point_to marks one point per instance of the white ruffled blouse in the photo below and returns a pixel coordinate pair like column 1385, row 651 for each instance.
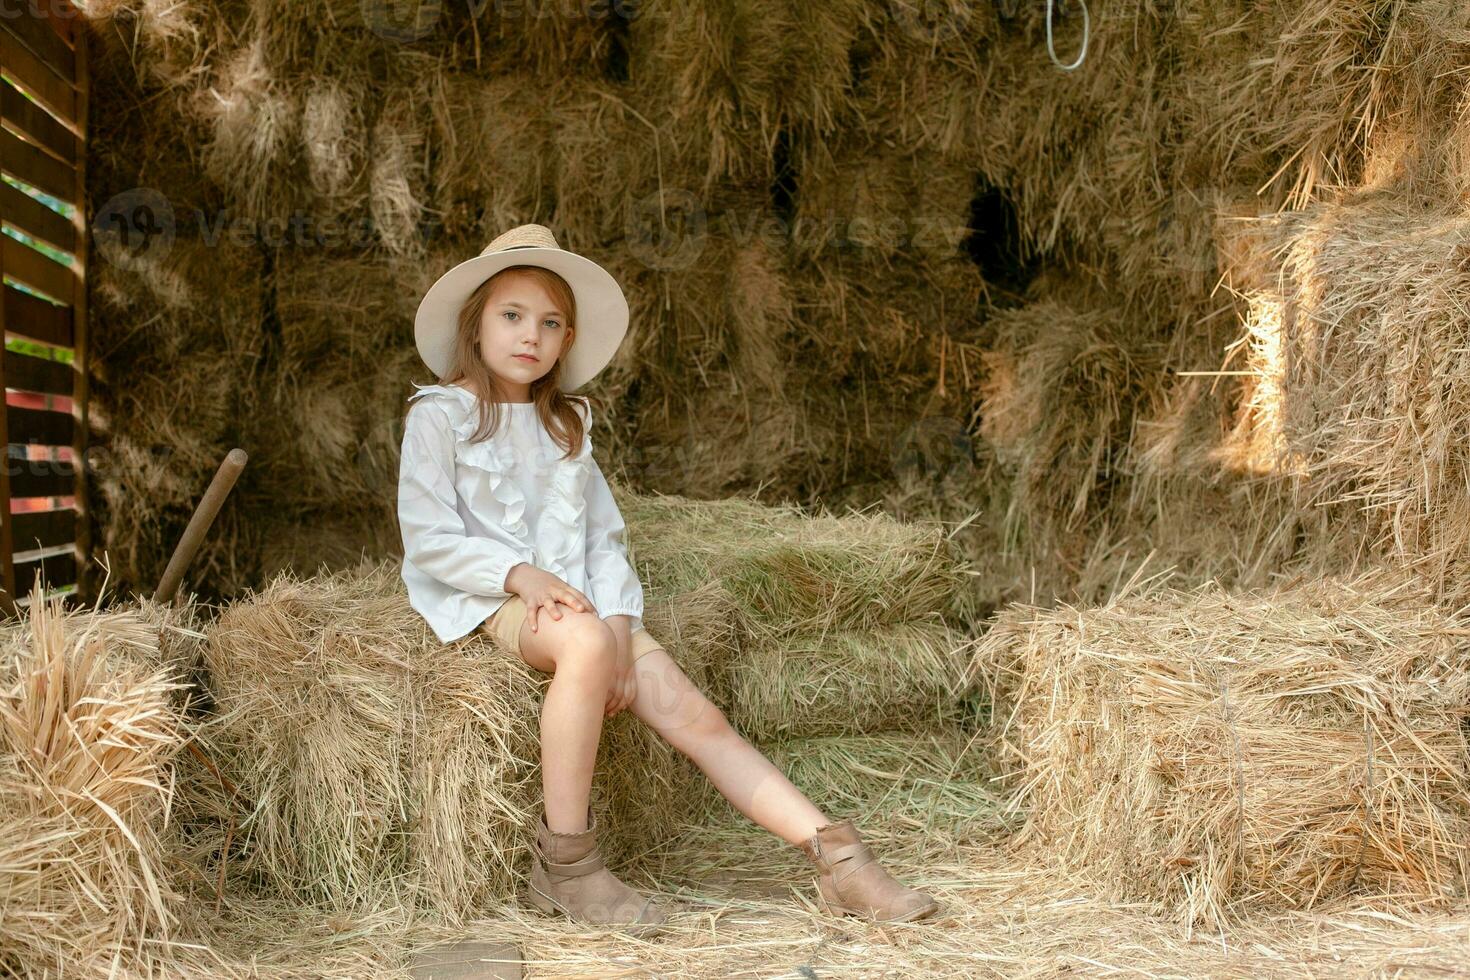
column 469, row 511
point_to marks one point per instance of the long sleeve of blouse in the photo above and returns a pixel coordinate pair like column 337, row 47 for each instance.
column 433, row 532
column 615, row 588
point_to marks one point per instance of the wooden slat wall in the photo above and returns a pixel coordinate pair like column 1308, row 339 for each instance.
column 43, row 113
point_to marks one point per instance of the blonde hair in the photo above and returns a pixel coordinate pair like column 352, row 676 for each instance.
column 554, row 407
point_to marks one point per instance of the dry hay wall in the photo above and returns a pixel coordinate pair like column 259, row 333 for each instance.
column 828, row 219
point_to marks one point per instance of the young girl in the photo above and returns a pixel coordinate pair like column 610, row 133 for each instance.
column 512, row 530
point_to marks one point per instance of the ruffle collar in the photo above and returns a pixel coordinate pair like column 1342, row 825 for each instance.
column 561, row 527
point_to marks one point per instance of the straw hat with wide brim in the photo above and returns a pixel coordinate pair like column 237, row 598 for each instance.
column 602, row 309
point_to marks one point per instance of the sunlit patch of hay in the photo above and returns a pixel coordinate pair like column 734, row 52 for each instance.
column 1359, row 341
column 1259, row 444
column 255, row 120
column 395, row 192
column 333, row 135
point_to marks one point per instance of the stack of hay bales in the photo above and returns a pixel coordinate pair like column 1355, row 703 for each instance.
column 377, row 764
column 91, row 717
column 848, row 638
column 787, row 192
column 1106, row 464
column 1327, row 414
column 1210, row 752
column 1149, row 247
column 843, row 624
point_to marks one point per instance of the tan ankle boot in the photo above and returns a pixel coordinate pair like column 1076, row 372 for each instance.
column 568, row 876
column 851, row 881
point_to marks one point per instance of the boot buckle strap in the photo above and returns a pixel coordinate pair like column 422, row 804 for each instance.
column 575, row 869
column 848, row 858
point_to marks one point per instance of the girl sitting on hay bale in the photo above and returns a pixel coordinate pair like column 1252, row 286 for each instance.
column 517, row 534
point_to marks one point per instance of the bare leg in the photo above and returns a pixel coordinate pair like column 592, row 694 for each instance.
column 578, row 651
column 670, row 703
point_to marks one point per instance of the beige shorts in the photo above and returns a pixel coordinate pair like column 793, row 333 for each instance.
column 505, row 624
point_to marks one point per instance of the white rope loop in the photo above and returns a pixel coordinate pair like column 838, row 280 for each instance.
column 1051, row 47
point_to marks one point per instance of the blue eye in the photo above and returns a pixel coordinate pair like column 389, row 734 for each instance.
column 554, row 323
column 510, row 313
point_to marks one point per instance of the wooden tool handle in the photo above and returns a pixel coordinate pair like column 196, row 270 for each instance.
column 199, row 524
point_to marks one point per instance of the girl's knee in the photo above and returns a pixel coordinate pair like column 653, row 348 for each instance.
column 585, row 644
column 693, row 721
column 711, row 723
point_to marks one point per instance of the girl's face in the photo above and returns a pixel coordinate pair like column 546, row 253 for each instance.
column 522, row 333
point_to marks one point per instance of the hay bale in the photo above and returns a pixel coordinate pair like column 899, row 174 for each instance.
column 916, row 72
column 128, row 125
column 396, row 184
column 328, row 705
column 622, row 172
column 790, row 574
column 908, row 676
column 859, row 312
column 1212, row 752
column 1110, row 465
column 939, row 779
column 492, row 138
column 1358, row 344
column 90, row 719
column 1418, row 142
column 727, row 78
column 376, row 764
column 883, row 202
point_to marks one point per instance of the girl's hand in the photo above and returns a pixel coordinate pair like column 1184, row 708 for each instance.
column 624, row 687
column 540, row 589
